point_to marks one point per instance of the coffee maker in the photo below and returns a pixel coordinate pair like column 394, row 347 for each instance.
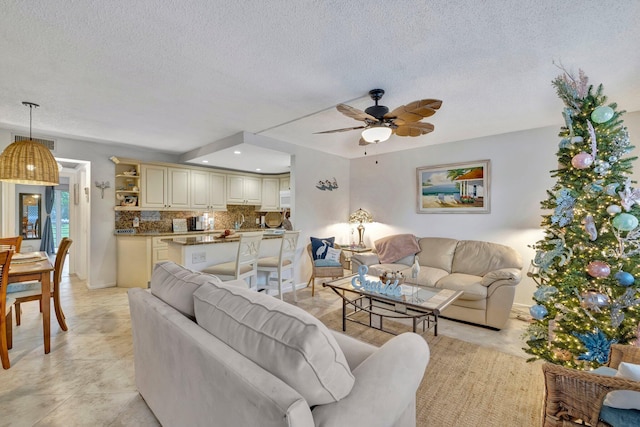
column 196, row 223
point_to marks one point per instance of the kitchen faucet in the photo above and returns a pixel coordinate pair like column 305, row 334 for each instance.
column 238, row 224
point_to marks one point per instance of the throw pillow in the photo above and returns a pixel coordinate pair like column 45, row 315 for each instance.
column 283, row 339
column 625, row 399
column 319, row 246
column 174, row 284
column 326, row 263
column 333, row 254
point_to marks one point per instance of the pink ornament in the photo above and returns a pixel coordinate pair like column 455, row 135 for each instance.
column 582, row 160
column 598, row 269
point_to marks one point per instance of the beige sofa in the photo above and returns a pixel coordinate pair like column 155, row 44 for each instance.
column 487, row 273
column 212, row 353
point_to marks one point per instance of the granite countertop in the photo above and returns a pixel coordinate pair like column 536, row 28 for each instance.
column 183, row 233
column 211, row 238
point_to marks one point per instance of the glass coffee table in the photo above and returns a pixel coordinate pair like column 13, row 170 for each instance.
column 418, row 303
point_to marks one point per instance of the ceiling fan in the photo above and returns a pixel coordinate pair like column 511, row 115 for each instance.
column 380, row 123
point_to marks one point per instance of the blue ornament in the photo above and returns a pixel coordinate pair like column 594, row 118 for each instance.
column 538, row 311
column 597, row 345
column 624, row 278
column 602, row 114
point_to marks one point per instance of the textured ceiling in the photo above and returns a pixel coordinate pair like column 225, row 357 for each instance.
column 178, row 75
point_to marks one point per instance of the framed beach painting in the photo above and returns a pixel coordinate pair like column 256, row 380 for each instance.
column 454, row 188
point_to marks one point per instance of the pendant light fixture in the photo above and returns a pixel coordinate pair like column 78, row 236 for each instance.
column 28, row 162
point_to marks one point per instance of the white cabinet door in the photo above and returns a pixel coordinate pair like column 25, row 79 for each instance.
column 235, row 189
column 217, row 191
column 270, row 194
column 200, row 189
column 178, row 187
column 154, row 186
column 252, row 190
column 285, row 183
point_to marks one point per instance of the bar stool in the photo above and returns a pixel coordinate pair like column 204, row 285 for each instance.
column 281, row 264
column 246, row 263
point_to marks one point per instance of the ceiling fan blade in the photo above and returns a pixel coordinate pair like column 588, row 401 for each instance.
column 354, row 113
column 414, row 129
column 363, row 142
column 414, row 111
column 340, row 130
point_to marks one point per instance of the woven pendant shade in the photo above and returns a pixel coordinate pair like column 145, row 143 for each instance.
column 28, row 162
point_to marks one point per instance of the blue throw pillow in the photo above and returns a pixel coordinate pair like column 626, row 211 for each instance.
column 319, row 247
column 326, row 263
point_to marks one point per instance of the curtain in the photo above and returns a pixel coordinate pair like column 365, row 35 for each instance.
column 46, row 244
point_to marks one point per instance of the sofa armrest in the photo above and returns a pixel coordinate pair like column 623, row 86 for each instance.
column 363, row 259
column 386, row 384
column 510, row 276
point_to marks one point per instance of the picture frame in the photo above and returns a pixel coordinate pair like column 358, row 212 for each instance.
column 454, row 188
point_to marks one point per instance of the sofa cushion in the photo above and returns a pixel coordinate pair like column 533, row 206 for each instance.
column 479, row 258
column 469, row 284
column 392, row 248
column 281, row 338
column 175, row 285
column 436, row 252
column 319, row 246
column 428, row 276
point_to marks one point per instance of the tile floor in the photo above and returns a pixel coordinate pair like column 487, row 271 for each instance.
column 87, row 379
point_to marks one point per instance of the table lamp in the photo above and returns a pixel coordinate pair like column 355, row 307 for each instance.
column 360, row 216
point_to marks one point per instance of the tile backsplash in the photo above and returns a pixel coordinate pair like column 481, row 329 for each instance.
column 162, row 221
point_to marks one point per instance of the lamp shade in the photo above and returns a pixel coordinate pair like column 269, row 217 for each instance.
column 28, row 162
column 360, row 216
column 376, row 134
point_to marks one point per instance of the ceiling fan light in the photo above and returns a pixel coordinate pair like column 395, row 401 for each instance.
column 376, row 134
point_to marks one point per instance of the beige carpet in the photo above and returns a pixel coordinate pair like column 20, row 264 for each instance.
column 465, row 384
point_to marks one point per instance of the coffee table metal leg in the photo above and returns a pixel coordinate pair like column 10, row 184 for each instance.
column 435, row 327
column 344, row 315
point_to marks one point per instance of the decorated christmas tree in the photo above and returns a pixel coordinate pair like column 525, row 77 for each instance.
column 587, row 267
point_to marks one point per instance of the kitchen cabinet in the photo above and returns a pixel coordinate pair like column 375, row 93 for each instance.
column 165, row 187
column 244, row 190
column 285, row 183
column 270, row 195
column 208, row 190
column 127, row 184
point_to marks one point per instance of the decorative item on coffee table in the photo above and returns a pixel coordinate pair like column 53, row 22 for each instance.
column 392, row 276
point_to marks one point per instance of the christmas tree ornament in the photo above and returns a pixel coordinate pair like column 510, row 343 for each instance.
column 582, row 160
column 590, row 227
column 602, row 114
column 563, row 213
column 538, row 311
column 614, row 209
column 544, row 293
column 629, row 196
column 625, row 222
column 624, row 278
column 597, row 346
column 593, row 300
column 598, row 269
column 611, row 189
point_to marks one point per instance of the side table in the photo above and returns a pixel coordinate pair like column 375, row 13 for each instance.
column 352, row 250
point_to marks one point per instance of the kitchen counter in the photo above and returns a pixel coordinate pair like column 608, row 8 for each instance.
column 180, row 233
column 212, row 238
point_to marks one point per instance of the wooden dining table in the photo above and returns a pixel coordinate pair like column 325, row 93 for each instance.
column 38, row 267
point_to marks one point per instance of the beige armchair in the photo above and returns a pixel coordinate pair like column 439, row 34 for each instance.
column 331, row 272
column 572, row 395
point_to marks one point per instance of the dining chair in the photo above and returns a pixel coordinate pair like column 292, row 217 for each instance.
column 281, row 264
column 246, row 263
column 6, row 326
column 13, row 243
column 34, row 293
column 323, row 271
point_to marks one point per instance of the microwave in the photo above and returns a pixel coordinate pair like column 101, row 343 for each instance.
column 285, row 198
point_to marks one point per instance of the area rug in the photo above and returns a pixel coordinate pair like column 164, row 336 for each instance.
column 465, row 384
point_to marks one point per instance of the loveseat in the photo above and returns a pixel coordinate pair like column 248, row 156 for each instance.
column 487, row 273
column 214, row 353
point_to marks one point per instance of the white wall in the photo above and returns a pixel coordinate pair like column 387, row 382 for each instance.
column 520, row 166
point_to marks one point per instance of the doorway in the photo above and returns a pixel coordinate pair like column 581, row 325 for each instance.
column 60, row 212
